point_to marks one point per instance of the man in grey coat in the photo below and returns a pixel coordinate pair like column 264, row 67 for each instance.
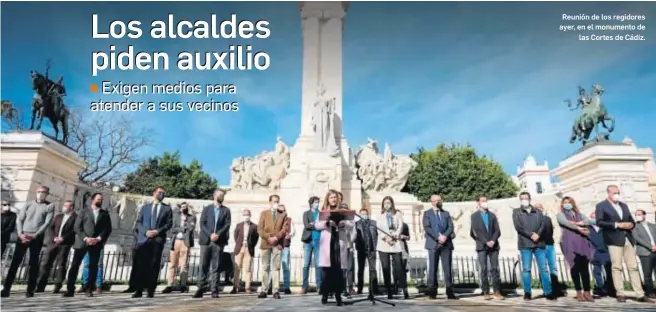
column 182, row 240
column 31, row 225
column 644, row 234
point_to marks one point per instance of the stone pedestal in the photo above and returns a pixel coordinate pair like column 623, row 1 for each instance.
column 586, row 174
column 31, row 159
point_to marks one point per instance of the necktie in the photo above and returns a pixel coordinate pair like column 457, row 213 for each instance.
column 153, row 217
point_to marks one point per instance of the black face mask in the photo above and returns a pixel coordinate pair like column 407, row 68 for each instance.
column 439, row 205
column 281, row 210
column 185, row 210
column 99, row 204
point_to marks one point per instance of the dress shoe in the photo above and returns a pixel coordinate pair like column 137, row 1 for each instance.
column 551, row 297
column 215, row 294
column 233, row 291
column 198, row 294
column 338, row 299
column 451, row 295
column 29, row 294
column 359, row 292
column 40, row 290
column 184, row 289
column 137, row 294
column 150, row 294
column 528, row 297
column 4, row 293
column 276, row 295
column 88, row 294
column 270, row 292
column 405, row 294
column 262, row 295
column 620, row 299
column 644, row 299
column 167, row 290
column 57, row 289
column 324, row 299
column 288, row 291
column 128, row 291
column 68, row 294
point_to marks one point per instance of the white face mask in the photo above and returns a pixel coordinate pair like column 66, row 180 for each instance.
column 41, row 196
column 639, row 218
column 387, row 206
column 616, row 197
column 65, row 209
column 275, row 206
column 525, row 203
column 5, row 207
column 483, row 205
column 247, row 218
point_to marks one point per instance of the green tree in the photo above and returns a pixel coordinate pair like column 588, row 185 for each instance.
column 457, row 173
column 169, row 172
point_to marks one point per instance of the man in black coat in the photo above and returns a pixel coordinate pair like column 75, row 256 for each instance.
column 485, row 231
column 8, row 218
column 59, row 239
column 92, row 229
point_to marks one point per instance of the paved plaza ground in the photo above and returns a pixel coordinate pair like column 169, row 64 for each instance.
column 116, row 301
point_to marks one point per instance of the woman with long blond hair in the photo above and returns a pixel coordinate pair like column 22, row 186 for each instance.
column 331, row 249
column 575, row 246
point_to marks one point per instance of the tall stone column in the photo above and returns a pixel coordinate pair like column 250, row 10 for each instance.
column 331, row 61
column 311, row 65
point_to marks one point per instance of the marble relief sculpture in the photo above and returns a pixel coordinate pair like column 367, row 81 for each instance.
column 264, row 171
column 386, row 173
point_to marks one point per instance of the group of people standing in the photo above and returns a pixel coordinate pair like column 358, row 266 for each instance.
column 333, row 242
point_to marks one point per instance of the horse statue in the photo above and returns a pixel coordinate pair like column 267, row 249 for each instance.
column 593, row 113
column 48, row 102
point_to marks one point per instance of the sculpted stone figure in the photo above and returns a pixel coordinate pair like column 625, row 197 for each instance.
column 265, row 171
column 48, row 102
column 387, row 173
column 323, row 123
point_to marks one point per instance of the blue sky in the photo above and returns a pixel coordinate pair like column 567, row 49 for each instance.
column 415, row 74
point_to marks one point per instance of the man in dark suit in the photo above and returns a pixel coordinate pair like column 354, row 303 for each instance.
column 8, row 225
column 153, row 223
column 311, row 242
column 365, row 245
column 614, row 217
column 59, row 239
column 644, row 234
column 182, row 240
column 485, row 231
column 214, row 235
column 438, row 232
column 600, row 261
column 246, row 238
column 92, row 229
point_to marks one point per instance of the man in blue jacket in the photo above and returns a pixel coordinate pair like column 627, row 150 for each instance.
column 600, row 262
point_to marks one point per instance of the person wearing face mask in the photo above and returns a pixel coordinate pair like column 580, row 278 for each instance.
column 93, row 226
column 8, row 218
column 616, row 222
column 154, row 221
column 438, row 233
column 390, row 246
column 366, row 239
column 59, row 240
column 485, row 231
column 246, row 238
column 32, row 223
column 559, row 289
column 285, row 255
column 530, row 226
column 272, row 231
column 214, row 234
column 644, row 235
column 182, row 240
column 311, row 239
column 576, row 246
column 600, row 261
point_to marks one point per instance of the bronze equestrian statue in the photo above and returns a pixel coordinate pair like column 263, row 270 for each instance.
column 593, row 113
column 48, row 101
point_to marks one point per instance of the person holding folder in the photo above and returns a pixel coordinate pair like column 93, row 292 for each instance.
column 333, row 252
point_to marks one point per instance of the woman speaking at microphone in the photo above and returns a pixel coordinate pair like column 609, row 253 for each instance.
column 330, row 248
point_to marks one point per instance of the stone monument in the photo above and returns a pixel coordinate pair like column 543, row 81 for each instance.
column 31, row 159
